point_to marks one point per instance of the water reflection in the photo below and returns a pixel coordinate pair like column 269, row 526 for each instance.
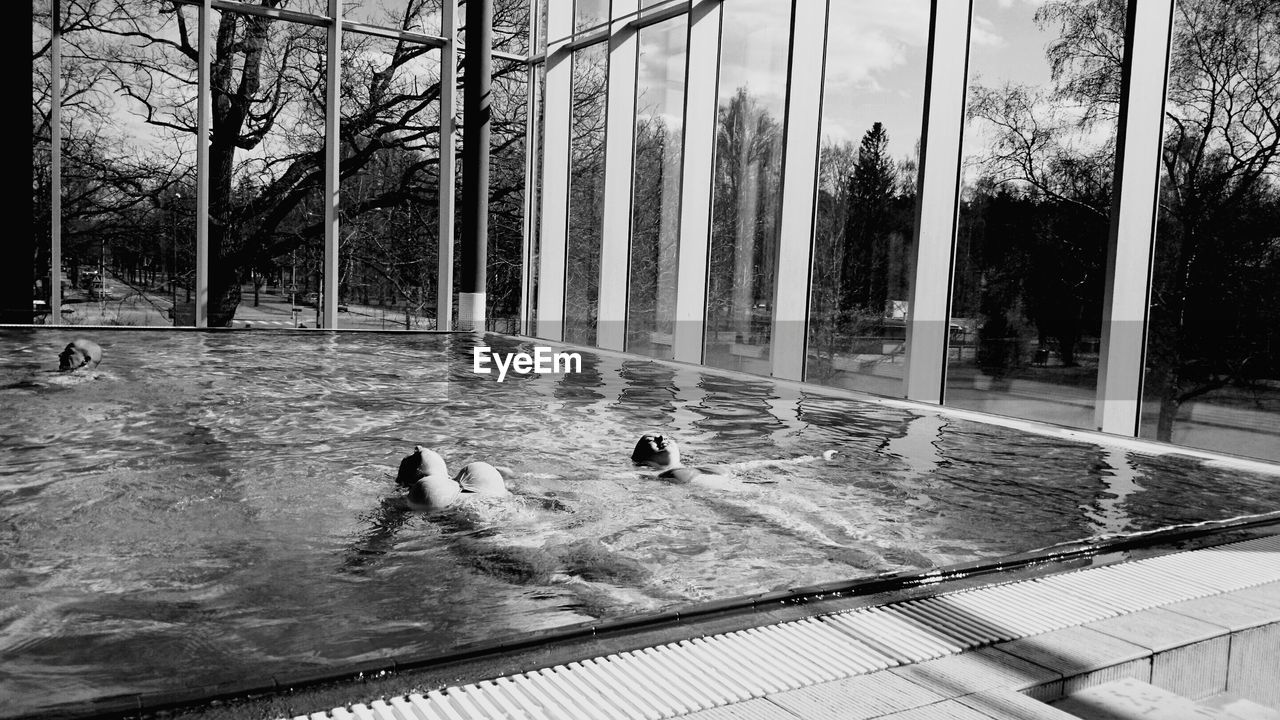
column 918, row 448
column 650, row 393
column 1120, row 478
column 579, row 389
column 737, row 411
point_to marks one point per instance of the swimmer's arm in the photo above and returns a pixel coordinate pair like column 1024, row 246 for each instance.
column 827, row 455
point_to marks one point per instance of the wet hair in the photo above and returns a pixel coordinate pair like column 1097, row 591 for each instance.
column 78, row 354
column 64, row 357
column 409, row 470
column 419, row 464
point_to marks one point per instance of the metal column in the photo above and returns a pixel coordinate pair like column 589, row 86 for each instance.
column 620, row 118
column 204, row 106
column 697, row 182
column 55, row 166
column 1133, row 212
column 938, row 203
column 555, row 172
column 332, row 159
column 448, row 163
column 478, row 73
column 799, row 183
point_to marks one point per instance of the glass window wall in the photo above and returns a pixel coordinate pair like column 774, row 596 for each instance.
column 746, row 198
column 655, row 205
column 540, row 37
column 390, row 155
column 588, row 14
column 507, row 167
column 586, row 193
column 1035, row 209
column 1213, row 345
column 266, row 169
column 873, row 98
column 127, row 168
column 40, row 252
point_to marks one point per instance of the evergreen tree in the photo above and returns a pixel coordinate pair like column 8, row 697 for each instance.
column 871, row 194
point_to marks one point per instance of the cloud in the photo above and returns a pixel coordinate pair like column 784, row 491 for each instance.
column 875, row 69
column 982, row 33
column 866, row 39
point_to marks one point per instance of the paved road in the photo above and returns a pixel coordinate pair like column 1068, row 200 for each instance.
column 275, row 311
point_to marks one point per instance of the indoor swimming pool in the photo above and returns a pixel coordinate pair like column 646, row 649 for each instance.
column 208, row 507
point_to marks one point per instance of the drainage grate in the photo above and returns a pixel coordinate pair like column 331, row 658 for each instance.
column 678, row 678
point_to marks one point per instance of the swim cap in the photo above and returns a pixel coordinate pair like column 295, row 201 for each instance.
column 434, row 492
column 421, row 463
column 481, row 477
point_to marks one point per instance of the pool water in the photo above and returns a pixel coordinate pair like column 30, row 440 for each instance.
column 218, row 507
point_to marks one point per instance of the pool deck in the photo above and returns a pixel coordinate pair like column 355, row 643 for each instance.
column 1194, row 634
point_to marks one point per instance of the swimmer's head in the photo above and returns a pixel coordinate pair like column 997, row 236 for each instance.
column 656, row 451
column 421, row 463
column 482, row 478
column 433, row 492
column 79, row 353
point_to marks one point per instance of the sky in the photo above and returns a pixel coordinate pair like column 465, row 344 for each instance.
column 875, row 58
column 876, row 54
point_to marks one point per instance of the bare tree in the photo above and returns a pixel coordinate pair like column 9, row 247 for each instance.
column 266, row 143
column 1213, row 313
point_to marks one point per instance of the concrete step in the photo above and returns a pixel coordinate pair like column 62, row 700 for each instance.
column 1130, row 699
column 1241, row 707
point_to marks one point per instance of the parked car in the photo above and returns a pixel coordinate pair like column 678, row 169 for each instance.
column 98, row 290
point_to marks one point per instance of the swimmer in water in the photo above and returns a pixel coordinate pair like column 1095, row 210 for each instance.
column 430, row 488
column 662, row 453
column 656, row 451
column 78, row 354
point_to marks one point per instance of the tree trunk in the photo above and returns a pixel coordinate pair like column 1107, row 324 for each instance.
column 1169, row 405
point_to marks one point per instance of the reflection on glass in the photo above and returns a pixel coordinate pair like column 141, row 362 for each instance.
column 1035, row 209
column 746, row 193
column 389, row 218
column 656, row 200
column 41, row 161
column 873, row 99
column 589, row 13
column 541, row 39
column 1213, row 347
column 506, row 197
column 422, row 16
column 586, row 193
